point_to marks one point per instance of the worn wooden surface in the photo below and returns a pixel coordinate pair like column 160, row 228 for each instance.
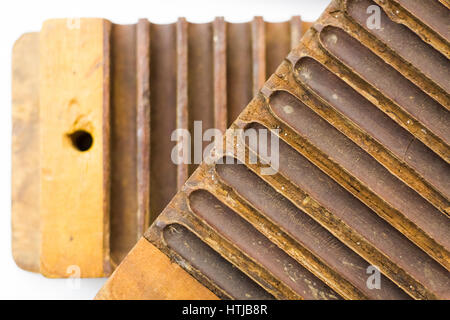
column 74, row 183
column 25, row 152
column 363, row 167
column 148, row 274
column 149, row 62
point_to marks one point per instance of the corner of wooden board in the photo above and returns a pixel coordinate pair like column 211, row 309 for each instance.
column 148, row 274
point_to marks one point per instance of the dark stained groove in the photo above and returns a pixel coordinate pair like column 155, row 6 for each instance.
column 143, row 124
column 426, row 219
column 239, row 68
column 189, row 83
column 123, row 208
column 163, row 172
column 278, row 44
column 201, row 257
column 376, row 123
column 200, row 81
column 405, row 43
column 258, row 247
column 296, row 31
column 220, row 74
column 258, row 54
column 182, row 93
column 305, row 230
column 389, row 81
column 380, row 235
column 432, row 13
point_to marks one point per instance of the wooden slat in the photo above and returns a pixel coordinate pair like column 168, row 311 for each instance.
column 123, row 144
column 25, row 152
column 143, row 124
column 239, row 68
column 296, row 31
column 278, row 41
column 163, row 80
column 220, row 74
column 416, row 15
column 74, row 104
column 258, row 53
column 182, row 91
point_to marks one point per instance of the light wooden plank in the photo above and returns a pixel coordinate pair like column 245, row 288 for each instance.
column 74, row 100
column 25, row 152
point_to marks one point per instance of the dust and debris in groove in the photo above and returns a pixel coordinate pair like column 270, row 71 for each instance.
column 429, row 274
column 293, row 274
column 333, row 39
column 306, row 200
column 182, row 264
column 173, row 229
column 186, row 244
column 345, row 262
column 306, row 73
column 288, row 109
column 408, row 146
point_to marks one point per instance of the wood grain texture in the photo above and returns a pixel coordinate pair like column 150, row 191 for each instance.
column 143, row 124
column 136, row 280
column 123, row 141
column 353, row 157
column 182, row 120
column 74, row 86
column 220, row 74
column 258, row 53
column 214, row 77
column 25, row 152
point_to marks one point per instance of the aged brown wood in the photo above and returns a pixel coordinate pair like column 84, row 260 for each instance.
column 148, row 62
column 143, row 114
column 182, row 121
column 25, row 153
column 363, row 165
column 166, row 280
column 220, row 74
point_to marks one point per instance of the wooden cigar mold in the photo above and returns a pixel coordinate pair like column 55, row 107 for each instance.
column 94, row 108
column 363, row 179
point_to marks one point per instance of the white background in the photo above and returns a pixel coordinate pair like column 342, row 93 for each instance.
column 18, row 17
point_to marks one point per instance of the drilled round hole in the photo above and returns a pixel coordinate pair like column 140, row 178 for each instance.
column 81, row 140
